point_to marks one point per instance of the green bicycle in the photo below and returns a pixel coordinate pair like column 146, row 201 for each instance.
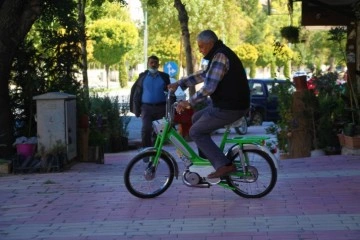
column 151, row 172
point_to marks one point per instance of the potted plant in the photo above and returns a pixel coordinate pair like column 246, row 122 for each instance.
column 117, row 136
column 325, row 107
column 5, row 166
column 124, row 120
column 98, row 128
column 25, row 146
column 25, row 126
column 285, row 124
column 282, row 136
column 319, row 111
column 54, row 158
column 96, row 146
column 350, row 137
column 109, row 115
column 290, row 33
column 97, row 137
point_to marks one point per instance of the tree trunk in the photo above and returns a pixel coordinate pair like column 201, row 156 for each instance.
column 6, row 117
column 357, row 77
column 352, row 63
column 82, row 23
column 16, row 19
column 184, row 19
column 107, row 70
column 300, row 139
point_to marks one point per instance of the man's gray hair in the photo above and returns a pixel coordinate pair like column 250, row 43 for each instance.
column 207, row 36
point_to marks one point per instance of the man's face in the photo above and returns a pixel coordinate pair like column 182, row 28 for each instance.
column 205, row 47
column 153, row 63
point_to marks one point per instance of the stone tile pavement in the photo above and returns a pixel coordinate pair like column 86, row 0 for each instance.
column 315, row 198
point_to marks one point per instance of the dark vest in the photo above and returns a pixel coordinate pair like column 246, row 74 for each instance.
column 232, row 92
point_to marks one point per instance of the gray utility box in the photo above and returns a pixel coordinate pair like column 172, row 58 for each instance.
column 56, row 121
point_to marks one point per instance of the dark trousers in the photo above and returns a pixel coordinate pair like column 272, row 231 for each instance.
column 150, row 113
column 205, row 122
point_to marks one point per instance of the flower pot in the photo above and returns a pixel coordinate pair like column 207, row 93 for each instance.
column 5, row 166
column 352, row 142
column 25, row 149
column 341, row 138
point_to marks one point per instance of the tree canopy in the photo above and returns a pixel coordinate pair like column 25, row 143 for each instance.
column 112, row 39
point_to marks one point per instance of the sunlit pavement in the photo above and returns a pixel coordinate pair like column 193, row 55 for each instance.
column 315, row 198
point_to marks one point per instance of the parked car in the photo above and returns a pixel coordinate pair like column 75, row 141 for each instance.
column 302, row 73
column 264, row 99
column 299, row 73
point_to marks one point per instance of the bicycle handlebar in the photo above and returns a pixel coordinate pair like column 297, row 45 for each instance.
column 170, row 107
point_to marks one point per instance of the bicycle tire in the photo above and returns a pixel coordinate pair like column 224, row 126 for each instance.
column 143, row 180
column 261, row 178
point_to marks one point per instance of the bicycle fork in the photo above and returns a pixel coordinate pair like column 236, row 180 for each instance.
column 238, row 150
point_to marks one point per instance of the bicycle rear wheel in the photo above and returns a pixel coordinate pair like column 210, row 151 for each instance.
column 259, row 177
column 144, row 180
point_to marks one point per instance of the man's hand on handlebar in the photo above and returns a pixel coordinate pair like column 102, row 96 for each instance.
column 182, row 105
column 173, row 86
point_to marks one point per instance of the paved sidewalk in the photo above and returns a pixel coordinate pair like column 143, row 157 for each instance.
column 315, row 198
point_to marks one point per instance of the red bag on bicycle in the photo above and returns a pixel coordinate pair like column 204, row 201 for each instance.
column 184, row 117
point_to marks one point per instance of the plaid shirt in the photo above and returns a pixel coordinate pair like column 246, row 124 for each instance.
column 211, row 78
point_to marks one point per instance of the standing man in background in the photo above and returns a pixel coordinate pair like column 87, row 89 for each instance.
column 148, row 99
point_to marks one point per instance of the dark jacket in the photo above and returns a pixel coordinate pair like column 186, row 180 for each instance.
column 232, row 92
column 137, row 90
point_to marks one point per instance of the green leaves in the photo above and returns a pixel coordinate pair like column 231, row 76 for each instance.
column 112, row 39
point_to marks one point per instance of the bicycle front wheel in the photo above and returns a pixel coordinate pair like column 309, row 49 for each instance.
column 257, row 179
column 145, row 180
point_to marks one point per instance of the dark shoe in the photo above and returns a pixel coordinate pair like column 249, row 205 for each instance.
column 224, row 170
